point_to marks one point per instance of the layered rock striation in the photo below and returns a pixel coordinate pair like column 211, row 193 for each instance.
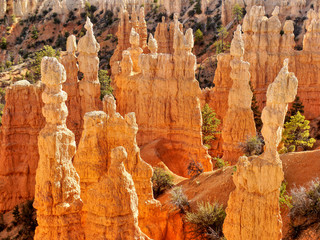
column 57, row 193
column 21, row 123
column 169, row 119
column 253, row 210
column 238, row 123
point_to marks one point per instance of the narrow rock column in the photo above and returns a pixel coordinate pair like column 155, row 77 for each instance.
column 253, row 210
column 57, row 193
column 71, row 86
column 238, row 124
column 89, row 86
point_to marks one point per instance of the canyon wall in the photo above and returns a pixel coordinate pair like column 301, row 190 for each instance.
column 164, row 97
column 22, row 121
column 253, row 210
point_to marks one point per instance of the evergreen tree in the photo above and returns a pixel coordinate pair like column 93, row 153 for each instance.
column 209, row 125
column 255, row 109
column 105, row 83
column 296, row 133
column 237, row 13
column 221, row 45
column 198, row 36
column 297, row 106
column 16, row 214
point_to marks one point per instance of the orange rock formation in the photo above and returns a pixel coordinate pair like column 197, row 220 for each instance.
column 57, row 193
column 21, row 123
column 104, row 131
column 253, row 210
column 89, row 86
column 169, row 119
column 238, row 124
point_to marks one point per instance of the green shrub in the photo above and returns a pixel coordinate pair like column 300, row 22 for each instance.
column 179, row 199
column 194, row 169
column 210, row 125
column 35, row 33
column 284, row 199
column 1, row 112
column 198, row 36
column 296, row 133
column 220, row 163
column 197, row 8
column 161, row 181
column 3, row 43
column 28, row 220
column 255, row 109
column 297, row 106
column 253, row 146
column 56, row 20
column 105, row 83
column 207, row 221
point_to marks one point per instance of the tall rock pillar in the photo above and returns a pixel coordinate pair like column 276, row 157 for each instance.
column 57, row 193
column 89, row 65
column 253, row 210
column 238, row 123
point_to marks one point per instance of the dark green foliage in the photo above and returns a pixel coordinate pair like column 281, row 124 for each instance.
column 16, row 213
column 237, row 13
column 197, row 8
column 28, row 220
column 297, row 106
column 253, row 146
column 3, row 43
column 198, row 37
column 1, row 112
column 209, row 125
column 255, row 109
column 105, row 83
column 207, row 221
column 35, row 71
column 179, row 199
column 35, row 33
column 161, row 181
column 56, row 20
column 194, row 169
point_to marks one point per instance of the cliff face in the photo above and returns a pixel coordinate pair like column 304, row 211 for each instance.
column 238, row 123
column 258, row 178
column 169, row 118
column 22, row 121
column 57, row 194
column 104, row 131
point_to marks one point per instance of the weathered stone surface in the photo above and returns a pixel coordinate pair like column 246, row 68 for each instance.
column 57, row 193
column 89, row 86
column 238, row 124
column 125, row 39
column 69, row 60
column 165, row 121
column 253, row 210
column 104, row 131
column 21, row 123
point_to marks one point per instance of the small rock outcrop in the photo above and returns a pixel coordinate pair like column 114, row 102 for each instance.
column 21, row 123
column 57, row 193
column 169, row 132
column 238, row 123
column 253, row 210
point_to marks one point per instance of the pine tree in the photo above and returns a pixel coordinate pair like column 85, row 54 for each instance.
column 296, row 132
column 297, row 106
column 16, row 214
column 255, row 110
column 237, row 13
column 209, row 125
